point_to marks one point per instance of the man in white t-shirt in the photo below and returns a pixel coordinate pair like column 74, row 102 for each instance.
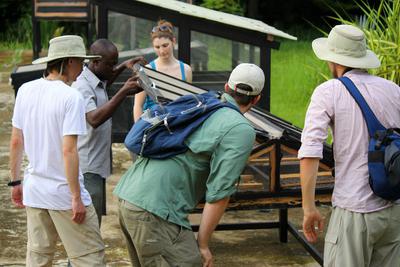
column 48, row 117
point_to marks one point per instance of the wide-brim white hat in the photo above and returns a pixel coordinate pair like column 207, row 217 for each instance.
column 346, row 45
column 65, row 47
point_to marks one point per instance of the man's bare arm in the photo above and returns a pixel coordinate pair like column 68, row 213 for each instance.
column 71, row 167
column 124, row 65
column 312, row 218
column 16, row 156
column 212, row 213
column 98, row 116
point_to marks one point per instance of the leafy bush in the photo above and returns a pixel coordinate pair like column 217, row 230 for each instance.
column 228, row 6
column 12, row 10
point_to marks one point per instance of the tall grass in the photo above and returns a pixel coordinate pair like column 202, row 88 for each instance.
column 19, row 36
column 295, row 72
column 381, row 26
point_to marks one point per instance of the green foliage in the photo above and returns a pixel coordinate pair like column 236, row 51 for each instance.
column 19, row 32
column 228, row 6
column 12, row 10
column 329, row 5
column 16, row 30
column 381, row 26
column 49, row 30
column 295, row 72
column 19, row 35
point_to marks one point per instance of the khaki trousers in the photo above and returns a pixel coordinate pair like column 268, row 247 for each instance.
column 82, row 242
column 153, row 241
column 363, row 239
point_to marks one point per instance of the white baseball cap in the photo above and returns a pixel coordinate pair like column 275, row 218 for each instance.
column 248, row 74
column 65, row 46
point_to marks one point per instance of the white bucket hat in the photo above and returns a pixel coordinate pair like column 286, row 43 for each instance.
column 249, row 74
column 346, row 45
column 64, row 47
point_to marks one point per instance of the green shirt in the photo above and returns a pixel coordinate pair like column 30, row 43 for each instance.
column 172, row 188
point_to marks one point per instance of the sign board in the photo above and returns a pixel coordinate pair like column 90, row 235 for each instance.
column 61, row 9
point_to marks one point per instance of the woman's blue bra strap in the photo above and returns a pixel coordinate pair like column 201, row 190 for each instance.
column 153, row 65
column 182, row 70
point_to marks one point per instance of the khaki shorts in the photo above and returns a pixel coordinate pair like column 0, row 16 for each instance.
column 363, row 239
column 153, row 241
column 82, row 242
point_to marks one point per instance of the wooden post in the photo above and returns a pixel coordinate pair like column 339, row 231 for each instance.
column 283, row 225
column 36, row 38
column 265, row 64
column 272, row 173
column 90, row 25
column 235, row 54
column 184, row 41
column 102, row 22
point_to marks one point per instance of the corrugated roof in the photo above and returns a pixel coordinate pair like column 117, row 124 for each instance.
column 218, row 16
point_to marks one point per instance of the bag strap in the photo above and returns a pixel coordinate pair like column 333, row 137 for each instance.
column 373, row 123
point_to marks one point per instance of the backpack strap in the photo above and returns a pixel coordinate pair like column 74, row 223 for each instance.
column 373, row 123
column 182, row 66
column 153, row 65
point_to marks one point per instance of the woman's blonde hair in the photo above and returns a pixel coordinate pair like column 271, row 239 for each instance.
column 164, row 29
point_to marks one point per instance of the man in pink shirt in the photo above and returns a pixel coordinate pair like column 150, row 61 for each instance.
column 364, row 228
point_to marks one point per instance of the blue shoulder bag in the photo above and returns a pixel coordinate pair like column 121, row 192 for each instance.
column 383, row 150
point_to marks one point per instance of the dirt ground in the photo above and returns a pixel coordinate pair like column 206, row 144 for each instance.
column 231, row 248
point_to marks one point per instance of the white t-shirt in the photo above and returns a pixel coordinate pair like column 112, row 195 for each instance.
column 46, row 111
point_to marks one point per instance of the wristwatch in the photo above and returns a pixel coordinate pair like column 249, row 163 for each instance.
column 14, row 183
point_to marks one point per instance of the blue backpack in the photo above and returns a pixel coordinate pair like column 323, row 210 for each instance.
column 161, row 130
column 383, row 150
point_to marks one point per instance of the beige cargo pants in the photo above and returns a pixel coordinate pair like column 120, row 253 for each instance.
column 363, row 239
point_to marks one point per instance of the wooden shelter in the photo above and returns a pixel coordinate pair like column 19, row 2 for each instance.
column 128, row 23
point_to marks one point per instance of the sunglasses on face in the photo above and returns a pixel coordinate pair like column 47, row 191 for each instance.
column 161, row 28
